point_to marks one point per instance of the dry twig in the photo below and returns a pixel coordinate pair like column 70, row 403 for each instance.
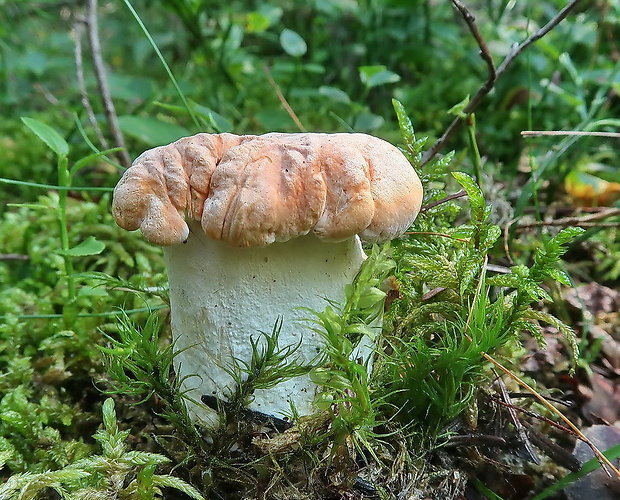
column 522, row 433
column 494, row 74
column 459, row 194
column 78, row 28
column 283, row 100
column 13, row 256
column 102, row 82
column 590, row 220
column 606, row 464
column 540, row 133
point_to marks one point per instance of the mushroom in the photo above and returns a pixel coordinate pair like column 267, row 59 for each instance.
column 255, row 227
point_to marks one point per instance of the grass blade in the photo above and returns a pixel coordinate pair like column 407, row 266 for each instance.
column 164, row 63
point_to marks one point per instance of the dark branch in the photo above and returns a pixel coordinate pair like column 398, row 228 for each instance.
column 484, row 50
column 454, row 196
column 493, row 75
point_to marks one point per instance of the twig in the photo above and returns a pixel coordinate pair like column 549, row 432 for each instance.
column 51, row 98
column 454, row 196
column 283, row 100
column 13, row 256
column 78, row 28
column 495, row 268
column 532, row 414
column 102, row 82
column 540, row 133
column 522, row 433
column 582, row 224
column 606, row 465
column 484, row 50
column 484, row 90
column 476, row 440
column 438, row 234
column 558, row 454
column 586, row 220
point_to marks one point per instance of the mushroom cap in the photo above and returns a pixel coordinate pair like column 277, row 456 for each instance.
column 255, row 190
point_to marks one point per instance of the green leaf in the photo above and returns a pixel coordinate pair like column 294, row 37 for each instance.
column 459, row 109
column 90, row 246
column 131, row 88
column 292, row 43
column 367, row 122
column 215, row 120
column 504, row 280
column 474, row 193
column 468, row 273
column 90, row 158
column 330, row 378
column 48, row 135
column 54, row 186
column 489, row 236
column 335, row 94
column 559, row 275
column 404, row 123
column 179, row 484
column 361, row 329
column 152, row 131
column 566, row 235
column 210, row 118
column 256, row 22
column 109, row 415
column 611, row 453
column 27, row 205
column 370, row 297
column 375, row 76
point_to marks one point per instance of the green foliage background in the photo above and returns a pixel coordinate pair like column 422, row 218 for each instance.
column 338, row 64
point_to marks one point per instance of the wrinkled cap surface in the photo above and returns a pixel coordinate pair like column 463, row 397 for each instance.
column 255, row 190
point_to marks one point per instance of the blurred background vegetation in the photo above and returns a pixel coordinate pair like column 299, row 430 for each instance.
column 338, row 64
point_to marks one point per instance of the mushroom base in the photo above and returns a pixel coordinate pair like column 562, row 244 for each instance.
column 221, row 296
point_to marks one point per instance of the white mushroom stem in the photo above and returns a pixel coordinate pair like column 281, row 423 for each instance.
column 222, row 295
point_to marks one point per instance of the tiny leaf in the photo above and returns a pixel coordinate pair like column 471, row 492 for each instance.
column 459, row 109
column 559, row 275
column 375, row 76
column 474, row 193
column 292, row 43
column 48, row 135
column 90, row 246
column 406, row 127
column 335, row 94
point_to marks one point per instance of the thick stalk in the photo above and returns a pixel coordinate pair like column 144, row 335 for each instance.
column 221, row 296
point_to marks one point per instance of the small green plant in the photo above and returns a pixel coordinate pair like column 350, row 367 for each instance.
column 31, row 433
column 89, row 246
column 344, row 373
column 451, row 314
column 269, row 365
column 116, row 473
column 140, row 366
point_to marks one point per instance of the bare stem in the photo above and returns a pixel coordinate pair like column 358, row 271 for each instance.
column 283, row 100
column 586, row 220
column 454, row 196
column 579, row 133
column 78, row 28
column 102, row 82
